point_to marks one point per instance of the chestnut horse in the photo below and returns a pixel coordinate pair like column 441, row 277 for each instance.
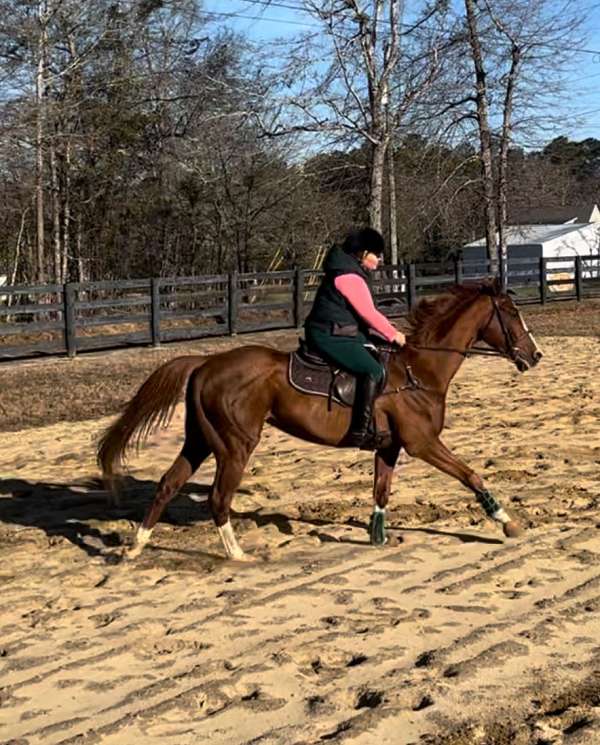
column 230, row 395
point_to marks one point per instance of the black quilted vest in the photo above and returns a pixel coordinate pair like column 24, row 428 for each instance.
column 330, row 306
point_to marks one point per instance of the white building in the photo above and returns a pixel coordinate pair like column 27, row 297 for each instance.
column 574, row 239
column 553, row 240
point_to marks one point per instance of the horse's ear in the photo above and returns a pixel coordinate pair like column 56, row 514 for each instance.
column 491, row 286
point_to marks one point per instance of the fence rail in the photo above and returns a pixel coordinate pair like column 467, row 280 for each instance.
column 59, row 319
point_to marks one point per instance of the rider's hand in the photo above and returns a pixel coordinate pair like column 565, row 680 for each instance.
column 400, row 339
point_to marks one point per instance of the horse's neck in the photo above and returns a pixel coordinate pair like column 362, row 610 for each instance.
column 438, row 368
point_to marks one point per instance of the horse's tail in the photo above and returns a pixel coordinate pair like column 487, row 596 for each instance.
column 151, row 407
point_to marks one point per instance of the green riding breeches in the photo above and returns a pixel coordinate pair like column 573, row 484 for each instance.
column 346, row 351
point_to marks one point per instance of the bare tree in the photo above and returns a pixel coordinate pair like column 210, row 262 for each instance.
column 485, row 134
column 519, row 50
column 43, row 16
column 345, row 82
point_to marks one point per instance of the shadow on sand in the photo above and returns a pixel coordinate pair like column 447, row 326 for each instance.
column 80, row 513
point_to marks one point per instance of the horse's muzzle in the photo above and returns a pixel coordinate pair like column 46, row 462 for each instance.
column 524, row 364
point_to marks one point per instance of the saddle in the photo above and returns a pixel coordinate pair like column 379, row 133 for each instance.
column 309, row 373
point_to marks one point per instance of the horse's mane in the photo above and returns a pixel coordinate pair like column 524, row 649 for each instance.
column 432, row 318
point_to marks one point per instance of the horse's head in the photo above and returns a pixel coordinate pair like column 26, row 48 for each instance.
column 506, row 331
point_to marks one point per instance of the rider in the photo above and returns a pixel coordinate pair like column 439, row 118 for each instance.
column 341, row 316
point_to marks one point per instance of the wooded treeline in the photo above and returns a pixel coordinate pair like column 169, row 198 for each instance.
column 137, row 138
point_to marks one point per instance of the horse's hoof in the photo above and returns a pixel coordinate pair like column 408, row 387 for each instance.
column 512, row 529
column 246, row 558
column 127, row 554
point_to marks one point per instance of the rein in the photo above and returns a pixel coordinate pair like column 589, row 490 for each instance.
column 511, row 352
column 482, row 351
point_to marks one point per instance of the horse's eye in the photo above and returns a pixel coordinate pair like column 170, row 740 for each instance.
column 512, row 311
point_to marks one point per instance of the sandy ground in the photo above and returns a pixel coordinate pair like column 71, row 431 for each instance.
column 452, row 636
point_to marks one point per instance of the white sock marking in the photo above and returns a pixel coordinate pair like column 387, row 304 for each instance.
column 501, row 516
column 143, row 535
column 230, row 544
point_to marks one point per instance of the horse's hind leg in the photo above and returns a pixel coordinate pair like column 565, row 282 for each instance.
column 230, row 468
column 194, row 452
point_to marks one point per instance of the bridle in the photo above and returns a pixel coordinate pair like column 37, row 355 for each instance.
column 511, row 351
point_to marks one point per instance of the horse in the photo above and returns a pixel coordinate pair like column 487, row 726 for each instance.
column 230, row 395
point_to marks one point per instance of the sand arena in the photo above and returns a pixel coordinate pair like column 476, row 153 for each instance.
column 450, row 636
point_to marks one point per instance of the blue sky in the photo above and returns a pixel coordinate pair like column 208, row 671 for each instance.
column 273, row 22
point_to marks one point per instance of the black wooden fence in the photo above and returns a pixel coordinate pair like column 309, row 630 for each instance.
column 75, row 317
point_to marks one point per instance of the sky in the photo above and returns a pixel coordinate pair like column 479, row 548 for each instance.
column 278, row 20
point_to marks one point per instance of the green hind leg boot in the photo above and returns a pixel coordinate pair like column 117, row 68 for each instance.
column 377, row 527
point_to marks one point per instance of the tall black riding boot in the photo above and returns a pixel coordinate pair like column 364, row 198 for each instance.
column 362, row 433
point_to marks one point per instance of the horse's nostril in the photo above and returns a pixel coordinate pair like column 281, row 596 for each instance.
column 537, row 355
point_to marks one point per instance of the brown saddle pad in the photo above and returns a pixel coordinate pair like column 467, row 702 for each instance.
column 307, row 375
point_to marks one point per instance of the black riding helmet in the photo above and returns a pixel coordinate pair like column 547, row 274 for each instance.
column 366, row 239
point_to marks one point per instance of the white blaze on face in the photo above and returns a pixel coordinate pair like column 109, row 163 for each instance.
column 526, row 328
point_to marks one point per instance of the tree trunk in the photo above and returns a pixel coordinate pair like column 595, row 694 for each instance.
column 12, row 279
column 485, row 139
column 503, row 164
column 393, row 206
column 376, row 191
column 39, row 141
column 55, row 213
column 81, row 273
column 66, row 207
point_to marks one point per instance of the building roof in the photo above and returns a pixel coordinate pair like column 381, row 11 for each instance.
column 579, row 213
column 521, row 235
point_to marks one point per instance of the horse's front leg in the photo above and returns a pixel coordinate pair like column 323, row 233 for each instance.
column 385, row 460
column 436, row 453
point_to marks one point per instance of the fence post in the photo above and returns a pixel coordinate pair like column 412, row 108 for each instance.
column 155, row 311
column 233, row 302
column 298, row 298
column 396, row 275
column 578, row 278
column 411, row 289
column 543, row 285
column 69, row 318
column 458, row 270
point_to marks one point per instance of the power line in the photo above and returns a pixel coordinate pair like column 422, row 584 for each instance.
column 258, row 18
column 586, row 113
column 290, row 22
column 269, row 4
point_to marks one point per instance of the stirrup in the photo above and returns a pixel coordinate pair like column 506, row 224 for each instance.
column 374, row 440
column 368, row 440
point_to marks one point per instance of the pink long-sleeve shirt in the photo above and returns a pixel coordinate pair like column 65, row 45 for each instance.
column 357, row 293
